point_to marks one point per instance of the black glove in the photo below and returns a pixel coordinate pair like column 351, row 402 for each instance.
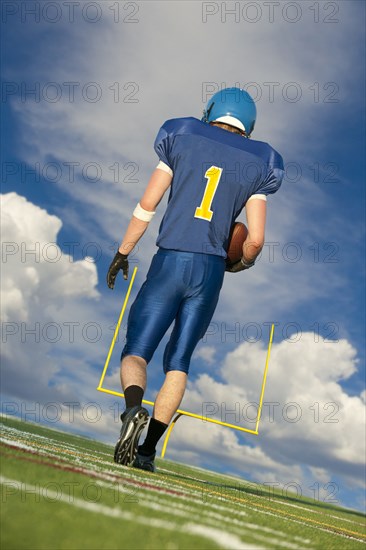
column 238, row 266
column 120, row 261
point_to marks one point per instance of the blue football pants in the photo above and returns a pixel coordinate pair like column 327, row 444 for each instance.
column 180, row 287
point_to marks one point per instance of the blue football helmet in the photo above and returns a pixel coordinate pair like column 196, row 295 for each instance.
column 232, row 106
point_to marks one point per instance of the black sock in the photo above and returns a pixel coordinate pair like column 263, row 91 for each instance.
column 133, row 396
column 154, row 433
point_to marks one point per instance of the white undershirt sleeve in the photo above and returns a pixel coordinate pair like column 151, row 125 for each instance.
column 258, row 196
column 165, row 167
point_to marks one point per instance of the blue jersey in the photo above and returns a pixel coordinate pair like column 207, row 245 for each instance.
column 215, row 172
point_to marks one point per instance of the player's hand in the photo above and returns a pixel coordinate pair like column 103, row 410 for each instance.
column 238, row 266
column 120, row 261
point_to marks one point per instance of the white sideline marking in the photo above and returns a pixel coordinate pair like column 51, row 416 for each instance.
column 253, row 485
column 17, row 444
column 81, row 460
column 223, row 539
column 317, row 512
column 189, row 492
column 213, row 519
column 220, row 537
column 286, row 518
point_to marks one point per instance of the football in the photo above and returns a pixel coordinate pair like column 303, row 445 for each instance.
column 238, row 234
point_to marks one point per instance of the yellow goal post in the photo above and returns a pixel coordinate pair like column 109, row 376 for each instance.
column 179, row 412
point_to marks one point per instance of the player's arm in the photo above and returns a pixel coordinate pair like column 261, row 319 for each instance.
column 255, row 210
column 142, row 215
column 256, row 213
column 154, row 192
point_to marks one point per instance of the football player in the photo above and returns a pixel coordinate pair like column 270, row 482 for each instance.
column 212, row 171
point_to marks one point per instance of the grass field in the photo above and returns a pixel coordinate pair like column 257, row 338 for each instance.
column 63, row 491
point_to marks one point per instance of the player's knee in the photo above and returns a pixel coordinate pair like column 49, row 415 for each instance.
column 133, row 360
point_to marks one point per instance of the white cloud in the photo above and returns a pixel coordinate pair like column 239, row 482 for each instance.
column 42, row 290
column 35, row 270
column 310, row 427
column 207, row 353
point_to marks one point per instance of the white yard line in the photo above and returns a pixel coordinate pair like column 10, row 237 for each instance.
column 80, row 459
column 221, row 538
column 16, row 443
column 189, row 492
column 323, row 513
column 187, row 511
column 299, row 521
column 213, row 519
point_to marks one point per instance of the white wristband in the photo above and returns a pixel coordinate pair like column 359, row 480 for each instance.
column 142, row 214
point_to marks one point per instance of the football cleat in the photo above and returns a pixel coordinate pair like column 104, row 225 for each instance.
column 134, row 421
column 144, row 462
column 232, row 106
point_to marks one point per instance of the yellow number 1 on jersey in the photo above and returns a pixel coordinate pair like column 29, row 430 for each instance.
column 213, row 175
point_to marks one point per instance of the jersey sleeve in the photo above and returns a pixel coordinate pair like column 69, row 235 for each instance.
column 274, row 176
column 163, row 147
column 272, row 182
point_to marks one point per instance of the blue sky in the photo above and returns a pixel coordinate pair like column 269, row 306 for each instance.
column 77, row 153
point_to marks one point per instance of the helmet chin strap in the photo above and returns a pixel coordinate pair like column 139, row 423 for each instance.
column 206, row 112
